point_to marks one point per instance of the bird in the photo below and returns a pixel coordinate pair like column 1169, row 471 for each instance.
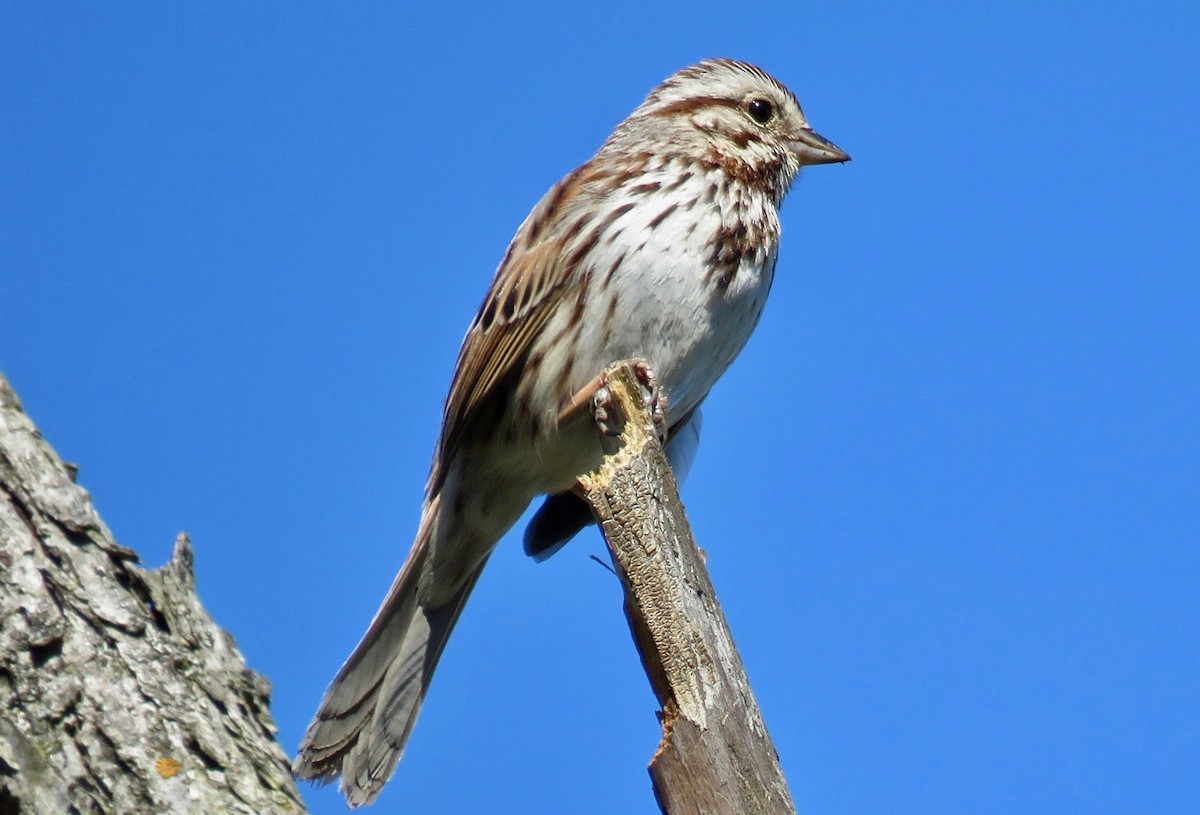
column 661, row 247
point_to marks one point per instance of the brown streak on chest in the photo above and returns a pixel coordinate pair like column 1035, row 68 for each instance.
column 729, row 246
column 662, row 216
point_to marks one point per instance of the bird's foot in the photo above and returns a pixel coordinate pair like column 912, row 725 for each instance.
column 601, row 405
column 596, row 395
column 656, row 400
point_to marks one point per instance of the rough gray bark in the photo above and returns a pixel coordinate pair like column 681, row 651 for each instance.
column 119, row 693
column 715, row 757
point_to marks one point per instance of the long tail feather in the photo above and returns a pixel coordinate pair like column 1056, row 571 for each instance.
column 369, row 710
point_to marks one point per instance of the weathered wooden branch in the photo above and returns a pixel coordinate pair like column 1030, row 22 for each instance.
column 715, row 757
column 119, row 693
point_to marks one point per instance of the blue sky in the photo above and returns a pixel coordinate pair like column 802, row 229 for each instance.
column 950, row 492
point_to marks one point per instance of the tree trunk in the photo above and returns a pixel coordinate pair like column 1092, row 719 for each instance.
column 120, row 693
column 715, row 757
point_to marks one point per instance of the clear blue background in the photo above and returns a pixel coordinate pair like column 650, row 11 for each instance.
column 949, row 492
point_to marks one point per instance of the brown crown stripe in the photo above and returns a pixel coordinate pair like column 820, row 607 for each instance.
column 694, row 103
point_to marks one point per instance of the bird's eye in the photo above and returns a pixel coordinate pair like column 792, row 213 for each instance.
column 760, row 110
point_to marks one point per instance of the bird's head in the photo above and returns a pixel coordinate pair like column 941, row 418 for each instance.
column 731, row 113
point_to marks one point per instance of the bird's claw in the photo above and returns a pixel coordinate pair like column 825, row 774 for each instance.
column 601, row 405
column 656, row 400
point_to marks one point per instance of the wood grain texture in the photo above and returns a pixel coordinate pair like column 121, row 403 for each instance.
column 715, row 757
column 120, row 693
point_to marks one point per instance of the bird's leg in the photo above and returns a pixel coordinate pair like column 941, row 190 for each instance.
column 583, row 396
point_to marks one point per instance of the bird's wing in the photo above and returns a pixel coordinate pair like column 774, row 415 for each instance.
column 535, row 269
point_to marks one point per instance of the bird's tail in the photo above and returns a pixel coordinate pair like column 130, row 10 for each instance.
column 370, row 708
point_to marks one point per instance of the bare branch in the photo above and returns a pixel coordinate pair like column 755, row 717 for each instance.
column 716, row 757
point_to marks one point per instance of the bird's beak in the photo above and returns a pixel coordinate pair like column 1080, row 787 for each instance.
column 813, row 148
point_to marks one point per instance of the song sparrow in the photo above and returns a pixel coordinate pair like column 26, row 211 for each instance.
column 661, row 247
